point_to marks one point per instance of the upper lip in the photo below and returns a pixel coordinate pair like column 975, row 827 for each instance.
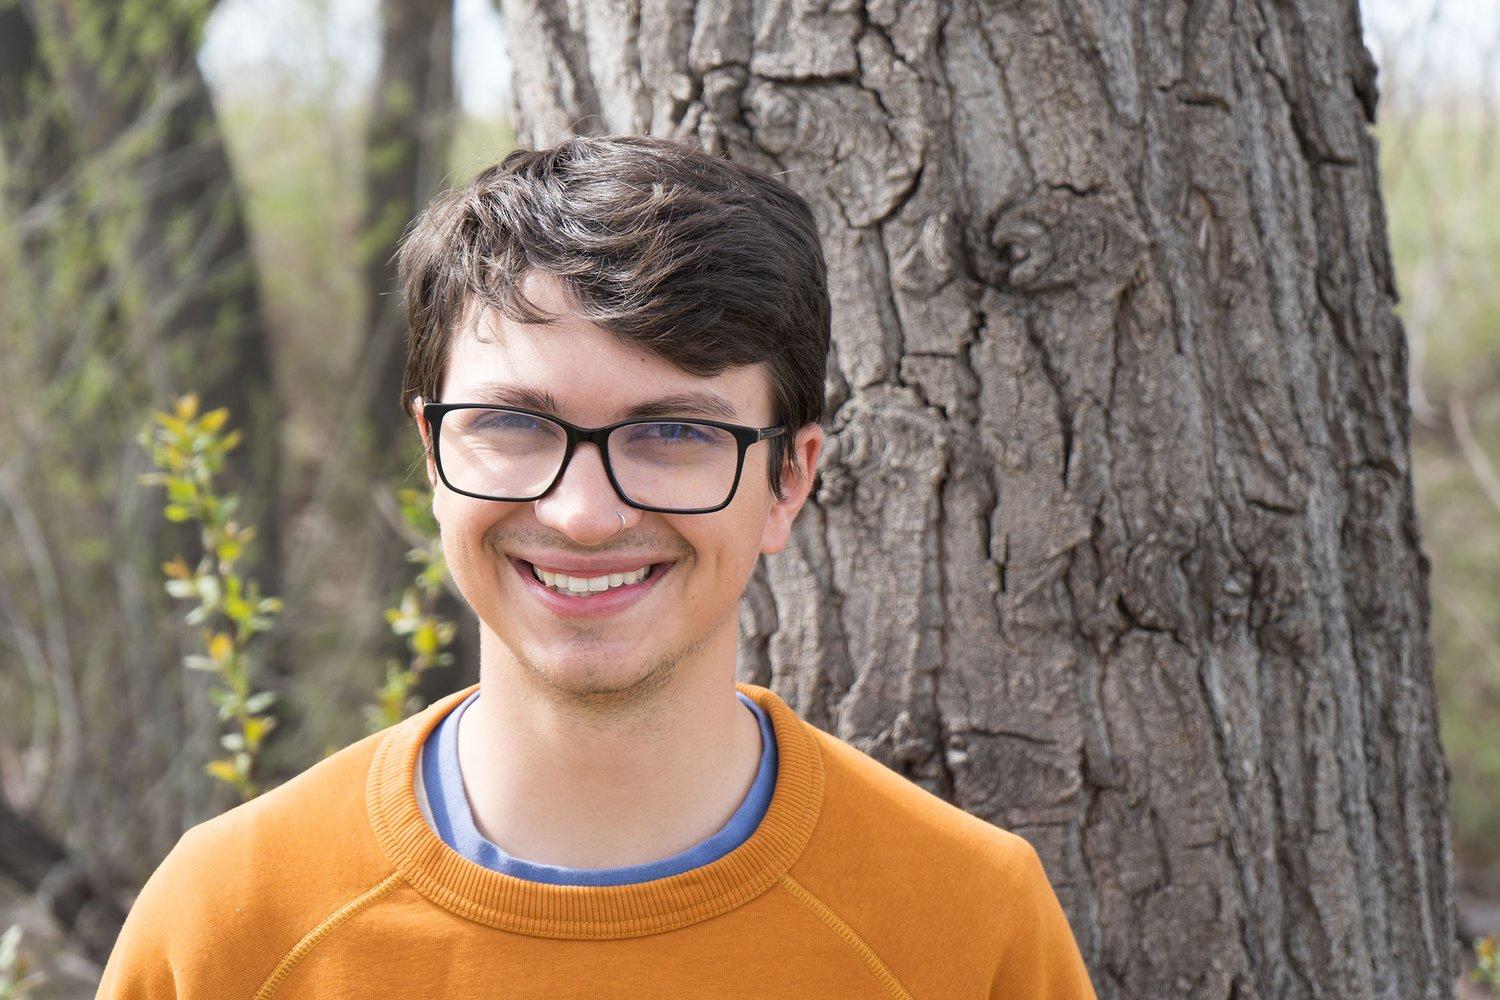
column 591, row 569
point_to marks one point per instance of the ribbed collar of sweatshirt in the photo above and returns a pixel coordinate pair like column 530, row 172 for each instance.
column 538, row 908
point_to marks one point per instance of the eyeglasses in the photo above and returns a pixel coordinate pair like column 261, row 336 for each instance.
column 513, row 454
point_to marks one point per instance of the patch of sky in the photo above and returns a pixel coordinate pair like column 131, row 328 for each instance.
column 1427, row 49
column 332, row 48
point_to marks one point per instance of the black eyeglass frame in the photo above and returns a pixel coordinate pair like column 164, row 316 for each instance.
column 744, row 437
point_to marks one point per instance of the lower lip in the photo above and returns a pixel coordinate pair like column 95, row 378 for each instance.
column 594, row 605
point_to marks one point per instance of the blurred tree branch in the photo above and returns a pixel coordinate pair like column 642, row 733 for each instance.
column 1479, row 462
column 40, row 864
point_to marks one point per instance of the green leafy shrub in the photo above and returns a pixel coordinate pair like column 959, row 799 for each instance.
column 1486, row 963
column 427, row 634
column 230, row 610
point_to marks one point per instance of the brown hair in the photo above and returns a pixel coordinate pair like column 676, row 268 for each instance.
column 707, row 263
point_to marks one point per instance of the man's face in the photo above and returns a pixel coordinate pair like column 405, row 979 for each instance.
column 688, row 611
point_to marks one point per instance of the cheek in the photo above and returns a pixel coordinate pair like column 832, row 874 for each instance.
column 727, row 549
column 464, row 527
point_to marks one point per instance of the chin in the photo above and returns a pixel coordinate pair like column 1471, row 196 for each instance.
column 587, row 673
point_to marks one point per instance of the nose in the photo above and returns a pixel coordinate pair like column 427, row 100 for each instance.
column 583, row 504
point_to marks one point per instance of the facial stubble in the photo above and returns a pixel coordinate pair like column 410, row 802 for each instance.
column 640, row 700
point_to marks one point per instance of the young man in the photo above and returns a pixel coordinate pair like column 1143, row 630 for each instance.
column 616, row 363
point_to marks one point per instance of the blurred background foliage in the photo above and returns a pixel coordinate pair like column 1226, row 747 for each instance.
column 1443, row 189
column 1439, row 133
column 200, row 197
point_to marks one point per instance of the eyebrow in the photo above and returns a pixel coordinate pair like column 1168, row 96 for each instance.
column 694, row 401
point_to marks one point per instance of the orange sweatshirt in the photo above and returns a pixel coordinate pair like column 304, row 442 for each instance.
column 856, row 884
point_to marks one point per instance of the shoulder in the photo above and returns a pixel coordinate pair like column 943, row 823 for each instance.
column 864, row 797
column 314, row 823
column 946, row 899
column 239, row 890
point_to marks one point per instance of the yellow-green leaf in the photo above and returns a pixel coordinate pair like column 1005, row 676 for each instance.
column 171, row 423
column 424, row 640
column 223, row 770
column 214, row 419
column 237, row 608
column 256, row 726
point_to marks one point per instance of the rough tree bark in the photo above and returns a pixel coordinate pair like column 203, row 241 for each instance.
column 1115, row 543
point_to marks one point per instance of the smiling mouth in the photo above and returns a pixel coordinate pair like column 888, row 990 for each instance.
column 602, row 584
column 584, row 587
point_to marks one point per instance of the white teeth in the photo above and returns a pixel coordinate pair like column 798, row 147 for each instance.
column 587, row 585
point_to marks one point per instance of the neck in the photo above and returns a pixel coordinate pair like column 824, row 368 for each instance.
column 593, row 779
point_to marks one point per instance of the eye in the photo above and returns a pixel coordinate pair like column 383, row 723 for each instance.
column 675, row 432
column 505, row 421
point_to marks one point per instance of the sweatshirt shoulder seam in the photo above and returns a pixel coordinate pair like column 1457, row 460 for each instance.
column 850, row 937
column 325, row 927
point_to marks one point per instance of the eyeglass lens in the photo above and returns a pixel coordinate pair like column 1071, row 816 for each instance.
column 668, row 463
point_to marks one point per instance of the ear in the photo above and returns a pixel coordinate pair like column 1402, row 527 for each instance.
column 797, row 485
column 426, row 432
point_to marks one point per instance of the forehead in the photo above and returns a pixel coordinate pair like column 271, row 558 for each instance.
column 585, row 373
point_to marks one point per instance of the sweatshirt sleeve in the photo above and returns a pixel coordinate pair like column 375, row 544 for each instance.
column 141, row 961
column 1040, row 960
column 158, row 939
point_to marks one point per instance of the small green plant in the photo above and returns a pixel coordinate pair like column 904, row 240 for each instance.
column 1486, row 963
column 427, row 634
column 190, row 449
column 16, row 978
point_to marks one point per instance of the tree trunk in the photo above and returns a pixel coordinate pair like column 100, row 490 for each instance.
column 411, row 135
column 411, row 129
column 1115, row 543
column 136, row 284
column 407, row 152
column 197, row 323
